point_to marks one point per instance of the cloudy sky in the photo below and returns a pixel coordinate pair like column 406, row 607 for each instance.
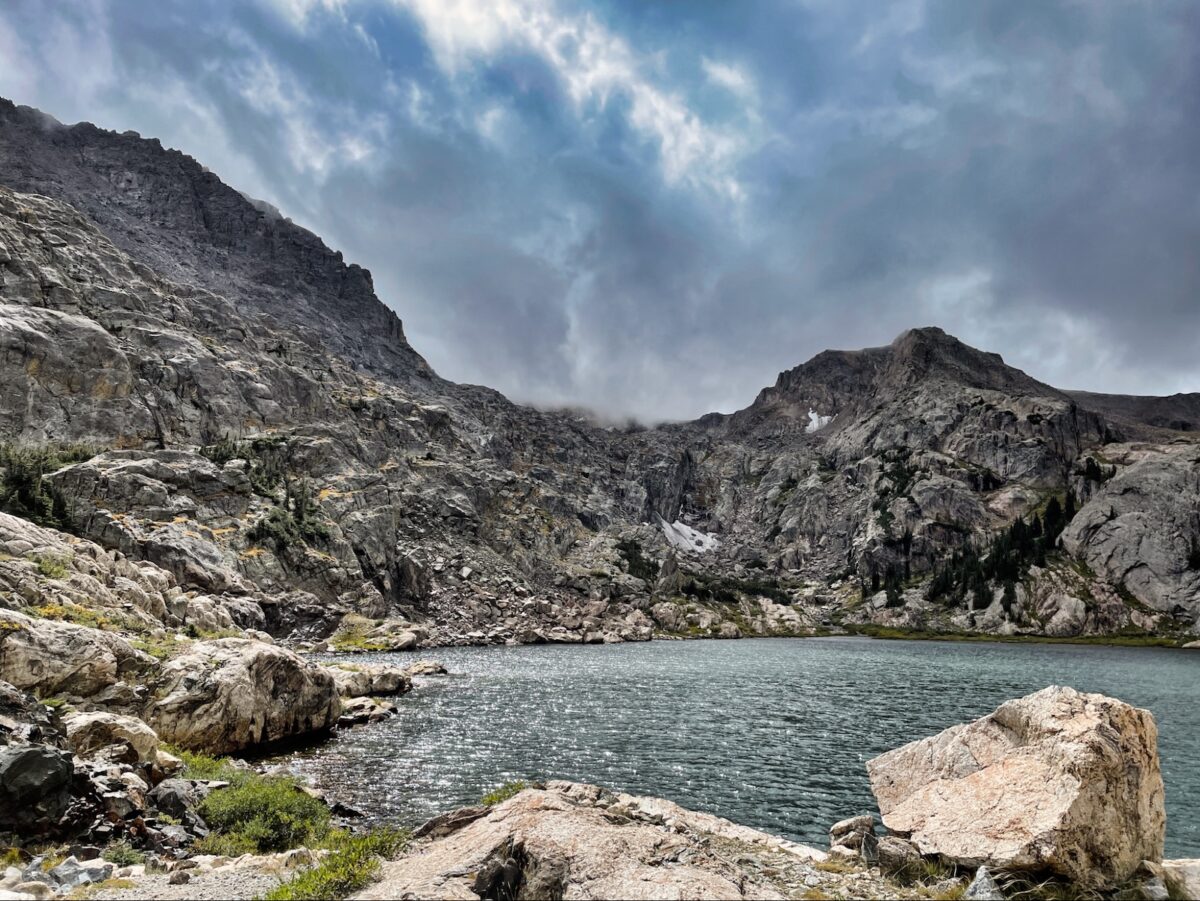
column 650, row 209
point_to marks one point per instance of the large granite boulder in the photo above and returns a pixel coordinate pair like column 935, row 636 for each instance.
column 222, row 696
column 1058, row 782
column 52, row 657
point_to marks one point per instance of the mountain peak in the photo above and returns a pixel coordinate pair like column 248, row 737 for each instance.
column 170, row 212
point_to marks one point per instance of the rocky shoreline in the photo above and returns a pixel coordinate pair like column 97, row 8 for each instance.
column 1055, row 794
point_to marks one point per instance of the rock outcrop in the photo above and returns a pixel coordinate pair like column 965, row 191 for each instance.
column 225, row 695
column 580, row 841
column 1139, row 528
column 1057, row 782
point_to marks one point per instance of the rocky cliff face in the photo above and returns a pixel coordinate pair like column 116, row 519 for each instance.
column 198, row 387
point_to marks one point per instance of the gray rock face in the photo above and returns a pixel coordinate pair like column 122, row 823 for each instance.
column 1139, row 529
column 272, row 454
column 61, row 658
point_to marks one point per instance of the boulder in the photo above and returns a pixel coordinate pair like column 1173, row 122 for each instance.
column 225, row 695
column 174, row 797
column 427, row 668
column 355, row 681
column 55, row 657
column 88, row 732
column 35, row 782
column 360, row 711
column 983, row 887
column 1182, row 877
column 72, row 873
column 844, row 830
column 24, row 718
column 897, row 857
column 1058, row 782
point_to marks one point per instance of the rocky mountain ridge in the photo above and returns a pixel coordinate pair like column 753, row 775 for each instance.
column 198, row 385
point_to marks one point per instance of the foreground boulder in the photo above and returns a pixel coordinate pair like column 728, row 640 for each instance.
column 1057, row 782
column 580, row 841
column 222, row 696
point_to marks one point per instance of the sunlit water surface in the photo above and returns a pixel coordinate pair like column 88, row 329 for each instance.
column 772, row 733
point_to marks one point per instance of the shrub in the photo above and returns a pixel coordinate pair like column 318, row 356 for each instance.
column 123, row 854
column 352, row 635
column 353, row 863
column 270, row 814
column 267, row 458
column 503, row 793
column 293, row 524
column 52, row 566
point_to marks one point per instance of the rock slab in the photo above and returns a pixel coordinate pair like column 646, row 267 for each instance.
column 567, row 840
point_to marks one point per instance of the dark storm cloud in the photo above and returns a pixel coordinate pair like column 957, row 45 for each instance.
column 650, row 209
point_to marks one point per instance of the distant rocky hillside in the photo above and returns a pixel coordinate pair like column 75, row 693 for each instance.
column 192, row 383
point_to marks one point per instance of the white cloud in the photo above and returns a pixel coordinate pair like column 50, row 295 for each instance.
column 297, row 12
column 594, row 64
column 314, row 145
column 731, row 78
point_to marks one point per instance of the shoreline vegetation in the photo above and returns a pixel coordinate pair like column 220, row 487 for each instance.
column 894, row 633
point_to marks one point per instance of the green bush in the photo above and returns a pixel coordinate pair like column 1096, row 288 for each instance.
column 503, row 793
column 123, row 854
column 52, row 566
column 268, row 813
column 202, row 766
column 268, row 459
column 295, row 523
column 352, row 864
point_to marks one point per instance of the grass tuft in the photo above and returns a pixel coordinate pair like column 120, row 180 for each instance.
column 353, row 863
column 502, row 793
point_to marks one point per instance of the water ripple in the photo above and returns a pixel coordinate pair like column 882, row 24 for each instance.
column 771, row 733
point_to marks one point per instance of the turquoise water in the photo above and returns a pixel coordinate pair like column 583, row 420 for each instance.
column 773, row 733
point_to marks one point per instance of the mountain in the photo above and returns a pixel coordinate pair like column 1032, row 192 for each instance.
column 191, row 382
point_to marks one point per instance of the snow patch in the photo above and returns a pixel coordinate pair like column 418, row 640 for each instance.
column 816, row 421
column 683, row 537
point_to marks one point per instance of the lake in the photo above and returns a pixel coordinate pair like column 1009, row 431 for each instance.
column 773, row 733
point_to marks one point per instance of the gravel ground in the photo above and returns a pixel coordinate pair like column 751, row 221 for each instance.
column 230, row 885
